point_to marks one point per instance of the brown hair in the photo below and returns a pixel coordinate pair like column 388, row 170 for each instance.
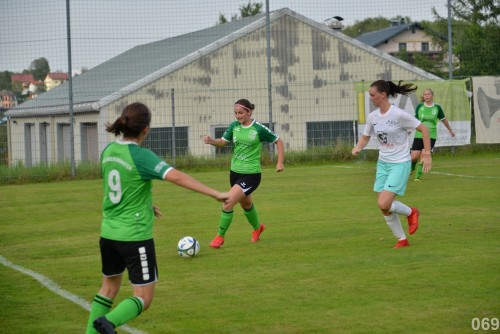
column 391, row 89
column 245, row 104
column 134, row 118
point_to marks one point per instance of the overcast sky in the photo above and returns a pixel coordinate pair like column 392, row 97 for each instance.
column 102, row 29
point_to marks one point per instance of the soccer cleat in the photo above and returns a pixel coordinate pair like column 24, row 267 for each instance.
column 104, row 326
column 402, row 243
column 256, row 233
column 413, row 220
column 217, row 242
column 417, row 180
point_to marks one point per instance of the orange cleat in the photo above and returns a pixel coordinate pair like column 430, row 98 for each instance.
column 217, row 242
column 402, row 243
column 257, row 232
column 413, row 220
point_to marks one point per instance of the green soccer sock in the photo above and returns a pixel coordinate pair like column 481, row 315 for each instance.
column 413, row 166
column 420, row 168
column 252, row 217
column 226, row 218
column 127, row 310
column 100, row 306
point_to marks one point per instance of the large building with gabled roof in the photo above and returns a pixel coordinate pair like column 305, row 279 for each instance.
column 191, row 81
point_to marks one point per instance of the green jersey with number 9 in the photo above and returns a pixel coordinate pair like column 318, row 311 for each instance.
column 127, row 173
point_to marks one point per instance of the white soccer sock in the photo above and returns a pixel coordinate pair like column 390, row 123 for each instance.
column 394, row 224
column 400, row 208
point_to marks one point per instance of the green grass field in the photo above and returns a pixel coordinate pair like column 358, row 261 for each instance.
column 325, row 263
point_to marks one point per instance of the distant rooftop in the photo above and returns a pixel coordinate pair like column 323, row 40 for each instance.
column 375, row 38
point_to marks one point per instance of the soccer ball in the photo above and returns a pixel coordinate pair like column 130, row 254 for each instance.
column 188, row 247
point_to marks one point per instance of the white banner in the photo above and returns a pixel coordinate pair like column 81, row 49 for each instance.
column 487, row 109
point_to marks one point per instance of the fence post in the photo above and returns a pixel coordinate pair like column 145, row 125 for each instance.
column 173, row 127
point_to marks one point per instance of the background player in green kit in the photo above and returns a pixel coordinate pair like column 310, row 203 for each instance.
column 127, row 226
column 428, row 113
column 247, row 136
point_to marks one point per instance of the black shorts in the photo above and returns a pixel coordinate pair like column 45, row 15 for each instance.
column 248, row 182
column 137, row 256
column 418, row 144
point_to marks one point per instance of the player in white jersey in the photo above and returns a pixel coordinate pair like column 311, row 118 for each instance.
column 391, row 124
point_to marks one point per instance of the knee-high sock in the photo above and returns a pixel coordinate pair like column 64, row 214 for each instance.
column 127, row 310
column 100, row 306
column 400, row 208
column 226, row 218
column 420, row 169
column 413, row 165
column 394, row 224
column 252, row 217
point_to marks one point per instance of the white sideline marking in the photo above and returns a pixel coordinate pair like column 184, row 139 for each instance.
column 467, row 176
column 52, row 286
column 437, row 173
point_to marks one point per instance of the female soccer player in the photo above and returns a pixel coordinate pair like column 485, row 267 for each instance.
column 247, row 136
column 127, row 226
column 428, row 113
column 391, row 124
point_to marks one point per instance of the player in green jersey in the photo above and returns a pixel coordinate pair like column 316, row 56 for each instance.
column 128, row 213
column 428, row 113
column 247, row 136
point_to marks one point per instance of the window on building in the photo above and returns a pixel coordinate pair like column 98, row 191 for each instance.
column 329, row 133
column 425, row 46
column 43, row 143
column 63, row 142
column 218, row 132
column 89, row 147
column 29, row 144
column 402, row 47
column 160, row 141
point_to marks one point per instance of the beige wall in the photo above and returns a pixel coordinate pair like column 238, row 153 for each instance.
column 17, row 137
column 51, row 83
column 308, row 86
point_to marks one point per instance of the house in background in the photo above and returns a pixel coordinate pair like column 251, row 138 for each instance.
column 7, row 99
column 28, row 87
column 54, row 79
column 406, row 39
column 191, row 81
column 21, row 83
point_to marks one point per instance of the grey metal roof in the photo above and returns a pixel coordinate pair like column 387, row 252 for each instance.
column 378, row 37
column 108, row 79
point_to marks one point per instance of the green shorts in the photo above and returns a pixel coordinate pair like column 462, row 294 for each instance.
column 392, row 177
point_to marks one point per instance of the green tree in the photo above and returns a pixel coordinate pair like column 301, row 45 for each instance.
column 475, row 38
column 250, row 9
column 5, row 80
column 39, row 68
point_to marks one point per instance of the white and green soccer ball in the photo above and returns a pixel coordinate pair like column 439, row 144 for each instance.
column 188, row 247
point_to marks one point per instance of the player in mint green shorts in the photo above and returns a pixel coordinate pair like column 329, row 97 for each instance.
column 390, row 125
column 428, row 113
column 128, row 213
column 247, row 136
